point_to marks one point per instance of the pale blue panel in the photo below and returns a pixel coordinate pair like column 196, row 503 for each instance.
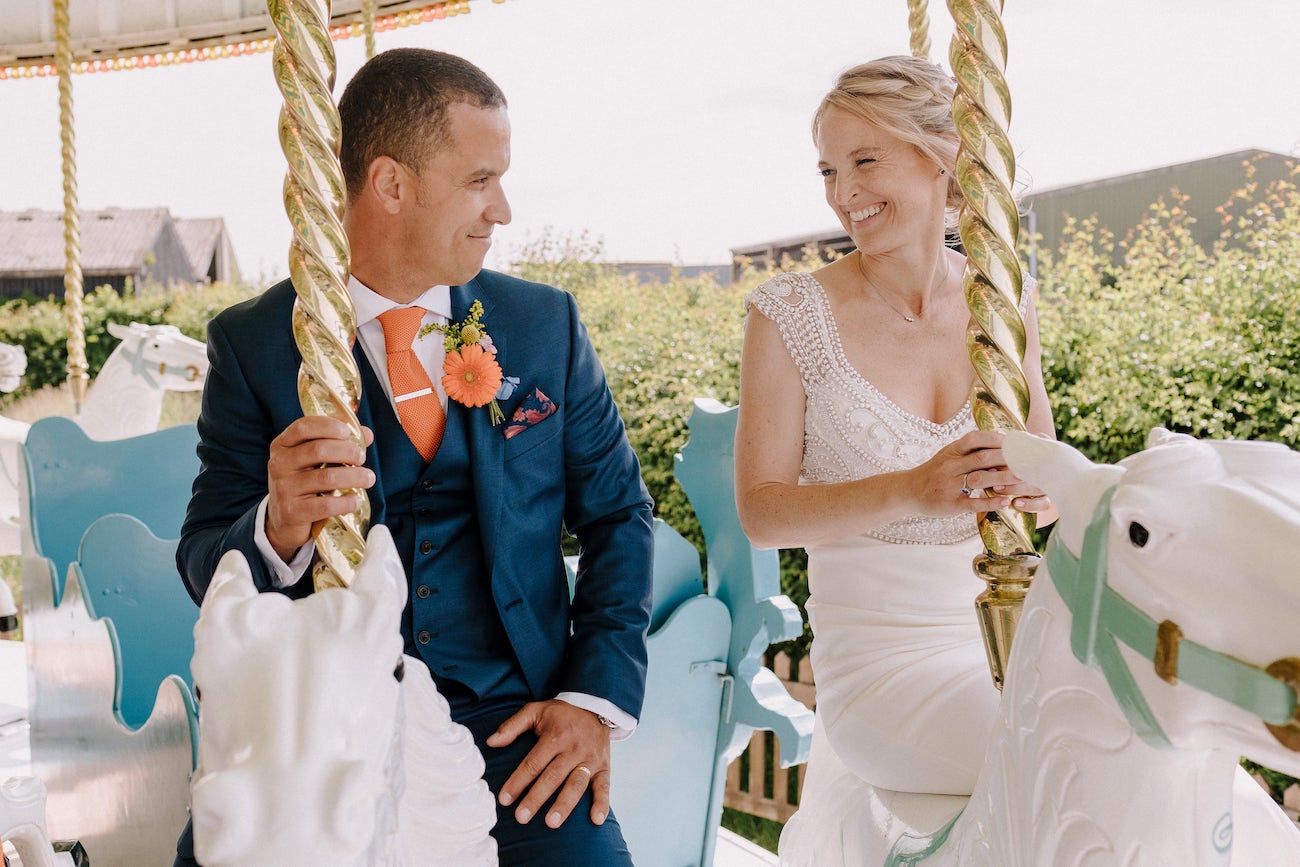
column 128, row 576
column 663, row 774
column 72, row 480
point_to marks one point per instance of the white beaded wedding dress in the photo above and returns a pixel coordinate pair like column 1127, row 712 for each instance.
column 904, row 697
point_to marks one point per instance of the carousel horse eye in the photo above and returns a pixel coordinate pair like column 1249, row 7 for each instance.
column 1138, row 535
column 400, row 671
column 198, row 695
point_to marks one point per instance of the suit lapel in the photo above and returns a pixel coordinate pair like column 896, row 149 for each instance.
column 486, row 444
column 371, row 390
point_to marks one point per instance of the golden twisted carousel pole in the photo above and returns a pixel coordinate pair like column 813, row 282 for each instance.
column 72, row 279
column 324, row 323
column 989, row 225
column 918, row 27
column 368, row 26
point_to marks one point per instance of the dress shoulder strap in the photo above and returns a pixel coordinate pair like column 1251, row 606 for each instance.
column 796, row 304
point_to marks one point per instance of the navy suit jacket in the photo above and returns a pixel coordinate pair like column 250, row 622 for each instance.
column 574, row 470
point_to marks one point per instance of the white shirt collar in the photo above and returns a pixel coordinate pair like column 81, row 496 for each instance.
column 369, row 304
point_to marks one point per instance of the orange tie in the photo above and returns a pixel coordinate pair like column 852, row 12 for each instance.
column 417, row 403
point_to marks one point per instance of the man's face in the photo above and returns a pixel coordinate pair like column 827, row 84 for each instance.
column 459, row 198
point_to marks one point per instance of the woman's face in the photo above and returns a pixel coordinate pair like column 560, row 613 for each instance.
column 884, row 191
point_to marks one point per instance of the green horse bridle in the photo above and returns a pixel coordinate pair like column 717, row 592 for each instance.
column 1101, row 617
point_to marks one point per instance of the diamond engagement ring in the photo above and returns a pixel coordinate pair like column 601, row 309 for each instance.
column 965, row 486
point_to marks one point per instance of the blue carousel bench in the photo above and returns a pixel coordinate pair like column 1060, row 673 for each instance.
column 112, row 729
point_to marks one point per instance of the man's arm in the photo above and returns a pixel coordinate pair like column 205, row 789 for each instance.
column 609, row 510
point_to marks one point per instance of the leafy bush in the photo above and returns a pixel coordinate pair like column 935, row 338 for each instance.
column 1205, row 342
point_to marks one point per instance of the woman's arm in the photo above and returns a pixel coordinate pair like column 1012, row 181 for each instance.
column 777, row 512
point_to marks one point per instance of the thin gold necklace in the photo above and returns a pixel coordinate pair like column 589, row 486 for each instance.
column 947, row 263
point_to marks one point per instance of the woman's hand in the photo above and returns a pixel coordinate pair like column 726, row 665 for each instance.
column 1001, row 482
column 970, row 475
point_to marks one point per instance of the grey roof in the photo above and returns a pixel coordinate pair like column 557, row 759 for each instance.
column 114, row 241
column 199, row 236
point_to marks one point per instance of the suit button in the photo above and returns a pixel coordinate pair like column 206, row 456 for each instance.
column 427, row 484
column 423, row 637
column 426, row 546
column 422, row 591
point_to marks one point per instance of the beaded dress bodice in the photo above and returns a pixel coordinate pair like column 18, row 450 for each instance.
column 851, row 429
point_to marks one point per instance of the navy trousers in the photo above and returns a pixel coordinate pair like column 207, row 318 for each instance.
column 535, row 844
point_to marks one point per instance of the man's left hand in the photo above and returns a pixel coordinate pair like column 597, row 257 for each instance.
column 571, row 753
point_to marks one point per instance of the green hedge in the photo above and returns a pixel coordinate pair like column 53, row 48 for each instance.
column 1205, row 342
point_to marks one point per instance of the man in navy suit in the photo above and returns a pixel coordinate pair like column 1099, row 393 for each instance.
column 542, row 680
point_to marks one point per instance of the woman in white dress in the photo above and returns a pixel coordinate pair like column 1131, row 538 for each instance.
column 856, row 442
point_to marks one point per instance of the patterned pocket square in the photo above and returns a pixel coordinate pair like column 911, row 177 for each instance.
column 535, row 409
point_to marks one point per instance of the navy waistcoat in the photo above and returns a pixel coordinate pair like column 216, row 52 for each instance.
column 451, row 619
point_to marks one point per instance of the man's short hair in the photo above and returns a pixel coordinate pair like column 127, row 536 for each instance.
column 396, row 106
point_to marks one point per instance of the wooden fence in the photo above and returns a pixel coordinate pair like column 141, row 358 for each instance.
column 756, row 783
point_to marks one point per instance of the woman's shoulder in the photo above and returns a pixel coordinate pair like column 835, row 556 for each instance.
column 783, row 293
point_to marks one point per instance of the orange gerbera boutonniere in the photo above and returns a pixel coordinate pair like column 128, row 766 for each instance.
column 471, row 375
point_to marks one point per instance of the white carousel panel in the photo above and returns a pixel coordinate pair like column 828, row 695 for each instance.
column 104, row 29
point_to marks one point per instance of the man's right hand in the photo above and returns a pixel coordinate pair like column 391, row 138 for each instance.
column 312, row 459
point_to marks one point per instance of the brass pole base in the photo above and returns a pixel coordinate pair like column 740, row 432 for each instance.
column 999, row 606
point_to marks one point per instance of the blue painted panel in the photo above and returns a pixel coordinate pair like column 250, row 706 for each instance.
column 128, row 576
column 663, row 774
column 72, row 480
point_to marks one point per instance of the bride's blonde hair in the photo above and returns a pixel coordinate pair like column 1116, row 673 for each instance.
column 908, row 97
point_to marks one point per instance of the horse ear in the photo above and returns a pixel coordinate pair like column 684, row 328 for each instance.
column 232, row 581
column 381, row 575
column 118, row 330
column 1074, row 483
column 1162, row 437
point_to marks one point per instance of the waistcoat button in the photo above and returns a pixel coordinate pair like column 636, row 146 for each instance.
column 426, row 546
column 422, row 591
column 423, row 637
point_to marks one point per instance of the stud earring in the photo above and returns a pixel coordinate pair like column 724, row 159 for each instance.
column 943, row 171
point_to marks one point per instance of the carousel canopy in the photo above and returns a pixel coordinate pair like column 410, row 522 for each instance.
column 128, row 34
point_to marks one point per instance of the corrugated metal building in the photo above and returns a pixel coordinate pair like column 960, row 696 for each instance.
column 1122, row 201
column 117, row 245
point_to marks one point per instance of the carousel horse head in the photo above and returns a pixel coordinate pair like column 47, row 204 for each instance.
column 1179, row 566
column 298, row 705
column 319, row 742
column 162, row 355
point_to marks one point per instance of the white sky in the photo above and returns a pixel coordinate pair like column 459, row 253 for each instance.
column 677, row 129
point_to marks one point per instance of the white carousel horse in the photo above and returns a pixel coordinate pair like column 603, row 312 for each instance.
column 1102, row 757
column 125, row 399
column 319, row 742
